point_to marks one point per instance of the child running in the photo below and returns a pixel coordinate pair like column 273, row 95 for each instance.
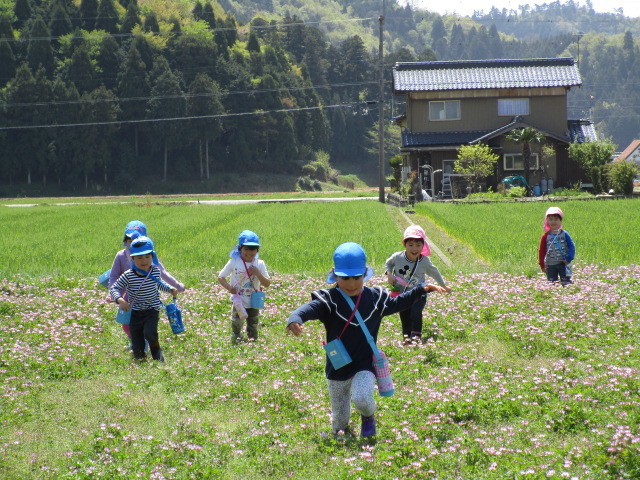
column 122, row 262
column 247, row 276
column 408, row 268
column 145, row 299
column 556, row 250
column 354, row 381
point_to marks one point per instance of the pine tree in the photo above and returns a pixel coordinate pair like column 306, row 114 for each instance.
column 167, row 101
column 108, row 62
column 208, row 16
column 81, row 71
column 7, row 63
column 132, row 85
column 131, row 18
column 88, row 14
column 253, row 44
column 151, row 23
column 22, row 10
column 39, row 51
column 107, row 18
column 204, row 100
column 60, row 23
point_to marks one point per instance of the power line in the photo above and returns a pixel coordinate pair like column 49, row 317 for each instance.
column 172, row 33
column 172, row 119
column 186, row 95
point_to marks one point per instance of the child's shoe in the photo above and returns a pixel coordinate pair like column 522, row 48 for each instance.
column 157, row 355
column 368, row 428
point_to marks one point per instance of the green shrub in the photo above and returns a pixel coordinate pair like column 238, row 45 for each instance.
column 517, row 192
column 621, row 175
column 569, row 192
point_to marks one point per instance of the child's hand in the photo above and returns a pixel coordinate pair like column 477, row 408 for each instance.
column 447, row 289
column 124, row 305
column 233, row 290
column 174, row 292
column 391, row 279
column 295, row 328
column 253, row 270
column 434, row 288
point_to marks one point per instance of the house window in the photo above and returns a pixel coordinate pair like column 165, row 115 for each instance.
column 513, row 106
column 514, row 161
column 445, row 110
column 448, row 166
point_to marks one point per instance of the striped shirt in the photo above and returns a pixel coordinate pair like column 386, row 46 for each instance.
column 142, row 289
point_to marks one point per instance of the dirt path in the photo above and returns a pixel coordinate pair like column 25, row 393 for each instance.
column 450, row 255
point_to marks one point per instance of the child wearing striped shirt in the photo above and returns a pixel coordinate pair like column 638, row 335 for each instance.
column 144, row 297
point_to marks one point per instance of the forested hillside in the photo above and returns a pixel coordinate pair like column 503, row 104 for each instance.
column 112, row 96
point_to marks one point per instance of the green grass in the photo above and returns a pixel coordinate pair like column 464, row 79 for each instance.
column 192, row 240
column 507, row 235
column 520, row 379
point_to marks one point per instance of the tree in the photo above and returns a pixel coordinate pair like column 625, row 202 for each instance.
column 151, row 23
column 526, row 137
column 88, row 14
column 108, row 61
column 478, row 161
column 131, row 18
column 107, row 18
column 253, row 44
column 133, row 85
column 22, row 10
column 167, row 101
column 81, row 71
column 39, row 51
column 21, row 95
column 60, row 23
column 204, row 100
column 621, row 175
column 208, row 16
column 592, row 157
column 7, row 63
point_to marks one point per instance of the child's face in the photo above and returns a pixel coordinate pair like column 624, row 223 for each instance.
column 248, row 253
column 554, row 221
column 413, row 247
column 352, row 286
column 143, row 262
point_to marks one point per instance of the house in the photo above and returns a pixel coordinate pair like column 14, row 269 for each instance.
column 631, row 153
column 454, row 103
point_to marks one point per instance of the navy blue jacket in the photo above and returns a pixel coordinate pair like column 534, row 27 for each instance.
column 331, row 308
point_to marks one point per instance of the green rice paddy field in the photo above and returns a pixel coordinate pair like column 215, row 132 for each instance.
column 517, row 378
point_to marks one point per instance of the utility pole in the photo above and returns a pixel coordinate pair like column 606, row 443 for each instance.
column 381, row 179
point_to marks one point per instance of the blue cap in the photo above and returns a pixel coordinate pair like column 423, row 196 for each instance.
column 135, row 229
column 248, row 238
column 349, row 260
column 141, row 246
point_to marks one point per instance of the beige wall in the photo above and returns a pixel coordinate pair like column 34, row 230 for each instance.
column 547, row 109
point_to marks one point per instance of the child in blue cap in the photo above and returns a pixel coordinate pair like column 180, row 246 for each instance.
column 356, row 380
column 247, row 276
column 122, row 262
column 145, row 301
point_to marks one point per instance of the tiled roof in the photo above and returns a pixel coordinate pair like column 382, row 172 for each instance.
column 579, row 131
column 426, row 139
column 633, row 146
column 582, row 131
column 482, row 74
